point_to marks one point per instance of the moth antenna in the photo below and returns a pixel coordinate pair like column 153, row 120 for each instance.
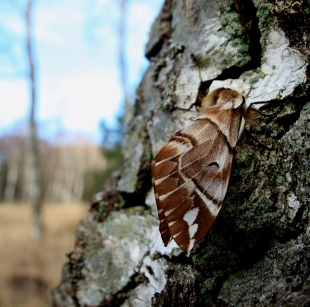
column 259, row 111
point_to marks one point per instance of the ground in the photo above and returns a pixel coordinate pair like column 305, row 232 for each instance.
column 30, row 269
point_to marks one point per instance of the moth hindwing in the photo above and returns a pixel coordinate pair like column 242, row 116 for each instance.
column 191, row 171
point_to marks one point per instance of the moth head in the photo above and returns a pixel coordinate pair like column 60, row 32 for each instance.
column 229, row 98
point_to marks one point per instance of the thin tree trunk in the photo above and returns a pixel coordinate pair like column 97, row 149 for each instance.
column 122, row 59
column 33, row 177
column 12, row 178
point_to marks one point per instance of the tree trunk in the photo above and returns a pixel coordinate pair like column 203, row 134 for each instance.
column 12, row 178
column 33, row 176
column 257, row 252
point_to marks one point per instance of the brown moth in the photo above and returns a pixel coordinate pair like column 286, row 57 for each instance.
column 191, row 172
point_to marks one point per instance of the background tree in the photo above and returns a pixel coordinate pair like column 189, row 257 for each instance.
column 33, row 174
column 122, row 58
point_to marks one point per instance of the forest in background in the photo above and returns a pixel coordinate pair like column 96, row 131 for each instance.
column 71, row 172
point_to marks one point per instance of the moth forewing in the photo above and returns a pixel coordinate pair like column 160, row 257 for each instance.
column 191, row 171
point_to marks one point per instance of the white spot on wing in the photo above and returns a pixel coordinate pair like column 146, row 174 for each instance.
column 189, row 185
column 191, row 244
column 159, row 181
column 171, row 223
column 181, row 148
column 174, row 236
column 168, row 212
column 190, row 216
column 192, row 230
column 214, row 209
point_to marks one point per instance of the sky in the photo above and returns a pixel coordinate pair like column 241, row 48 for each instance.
column 76, row 51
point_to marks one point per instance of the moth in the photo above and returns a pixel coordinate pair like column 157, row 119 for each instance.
column 192, row 170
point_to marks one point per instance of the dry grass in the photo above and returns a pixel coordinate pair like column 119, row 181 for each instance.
column 30, row 269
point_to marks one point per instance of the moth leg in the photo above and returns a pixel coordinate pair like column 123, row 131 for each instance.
column 256, row 140
column 184, row 109
column 242, row 127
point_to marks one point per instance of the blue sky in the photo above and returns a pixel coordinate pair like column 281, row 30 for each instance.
column 76, row 48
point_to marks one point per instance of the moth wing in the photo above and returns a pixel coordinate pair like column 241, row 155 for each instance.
column 191, row 174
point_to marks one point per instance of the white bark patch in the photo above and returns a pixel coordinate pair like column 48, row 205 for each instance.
column 293, row 205
column 190, row 216
column 283, row 70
